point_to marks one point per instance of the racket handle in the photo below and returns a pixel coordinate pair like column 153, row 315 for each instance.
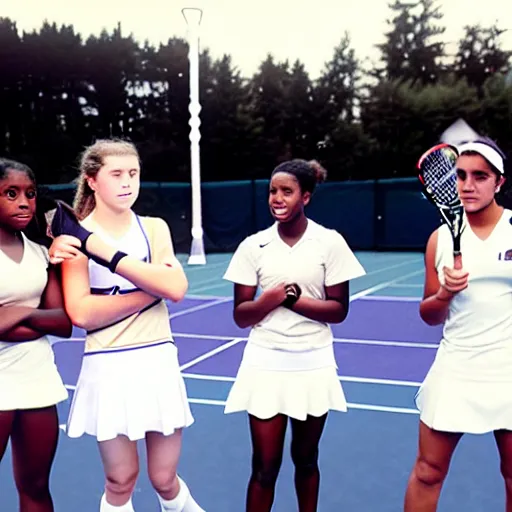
column 457, row 260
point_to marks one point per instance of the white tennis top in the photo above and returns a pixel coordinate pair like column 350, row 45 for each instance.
column 320, row 258
column 28, row 374
column 147, row 327
column 23, row 284
column 477, row 334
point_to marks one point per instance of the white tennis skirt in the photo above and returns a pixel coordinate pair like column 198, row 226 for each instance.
column 130, row 393
column 450, row 403
column 297, row 394
column 29, row 378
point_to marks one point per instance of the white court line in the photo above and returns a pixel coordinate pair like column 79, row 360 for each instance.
column 215, row 279
column 403, row 344
column 385, row 382
column 210, row 353
column 391, row 267
column 206, row 401
column 213, row 286
column 382, row 408
column 193, row 296
column 202, row 376
column 205, row 336
column 385, row 284
column 205, row 267
column 66, row 340
column 343, row 378
column 200, row 307
column 406, row 285
column 391, row 298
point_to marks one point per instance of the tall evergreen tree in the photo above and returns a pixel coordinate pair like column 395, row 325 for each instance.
column 480, row 54
column 412, row 49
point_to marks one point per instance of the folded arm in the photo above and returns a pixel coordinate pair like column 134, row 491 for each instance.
column 89, row 311
column 164, row 277
column 21, row 323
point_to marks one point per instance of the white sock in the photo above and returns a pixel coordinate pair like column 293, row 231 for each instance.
column 107, row 507
column 183, row 502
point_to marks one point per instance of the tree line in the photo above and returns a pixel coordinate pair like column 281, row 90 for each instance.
column 60, row 92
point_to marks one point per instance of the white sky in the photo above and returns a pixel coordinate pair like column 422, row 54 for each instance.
column 248, row 30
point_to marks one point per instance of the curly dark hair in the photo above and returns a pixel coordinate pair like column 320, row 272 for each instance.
column 308, row 174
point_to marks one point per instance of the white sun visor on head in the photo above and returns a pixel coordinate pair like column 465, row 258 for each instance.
column 488, row 152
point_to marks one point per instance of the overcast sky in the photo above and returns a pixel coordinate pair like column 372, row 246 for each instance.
column 248, row 30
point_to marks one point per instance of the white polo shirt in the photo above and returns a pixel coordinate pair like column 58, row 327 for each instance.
column 320, row 258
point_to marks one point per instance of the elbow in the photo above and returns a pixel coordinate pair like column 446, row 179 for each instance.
column 241, row 322
column 338, row 318
column 341, row 317
column 177, row 291
column 432, row 322
column 79, row 318
column 430, row 319
column 425, row 316
column 66, row 329
column 79, row 313
column 340, row 314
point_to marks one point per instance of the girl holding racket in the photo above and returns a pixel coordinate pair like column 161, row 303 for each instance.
column 31, row 307
column 468, row 389
column 130, row 386
column 288, row 368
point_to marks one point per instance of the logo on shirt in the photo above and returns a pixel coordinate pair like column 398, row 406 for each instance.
column 263, row 245
column 505, row 256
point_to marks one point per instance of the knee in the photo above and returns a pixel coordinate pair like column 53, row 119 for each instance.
column 428, row 473
column 163, row 480
column 122, row 480
column 305, row 462
column 265, row 473
column 37, row 489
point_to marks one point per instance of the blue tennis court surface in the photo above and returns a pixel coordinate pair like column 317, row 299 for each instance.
column 383, row 351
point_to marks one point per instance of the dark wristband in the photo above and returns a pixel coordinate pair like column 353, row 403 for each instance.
column 290, row 301
column 293, row 296
column 118, row 256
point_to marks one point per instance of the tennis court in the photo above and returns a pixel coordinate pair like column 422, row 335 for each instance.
column 383, row 351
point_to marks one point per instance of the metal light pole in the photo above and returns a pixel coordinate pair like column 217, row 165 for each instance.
column 193, row 17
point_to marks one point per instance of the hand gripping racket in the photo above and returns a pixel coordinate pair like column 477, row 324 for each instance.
column 438, row 175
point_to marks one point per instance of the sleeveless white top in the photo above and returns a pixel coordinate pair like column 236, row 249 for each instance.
column 477, row 334
column 149, row 326
column 28, row 375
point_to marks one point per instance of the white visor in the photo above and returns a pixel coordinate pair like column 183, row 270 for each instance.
column 489, row 153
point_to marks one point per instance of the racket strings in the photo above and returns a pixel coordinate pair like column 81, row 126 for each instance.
column 440, row 177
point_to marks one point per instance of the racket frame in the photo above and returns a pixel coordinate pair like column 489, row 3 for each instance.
column 452, row 213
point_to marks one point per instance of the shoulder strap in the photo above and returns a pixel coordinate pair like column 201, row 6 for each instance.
column 149, row 230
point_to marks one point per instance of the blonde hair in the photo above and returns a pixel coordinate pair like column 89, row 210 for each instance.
column 91, row 161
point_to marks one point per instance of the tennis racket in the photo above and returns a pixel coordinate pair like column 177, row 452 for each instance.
column 438, row 175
